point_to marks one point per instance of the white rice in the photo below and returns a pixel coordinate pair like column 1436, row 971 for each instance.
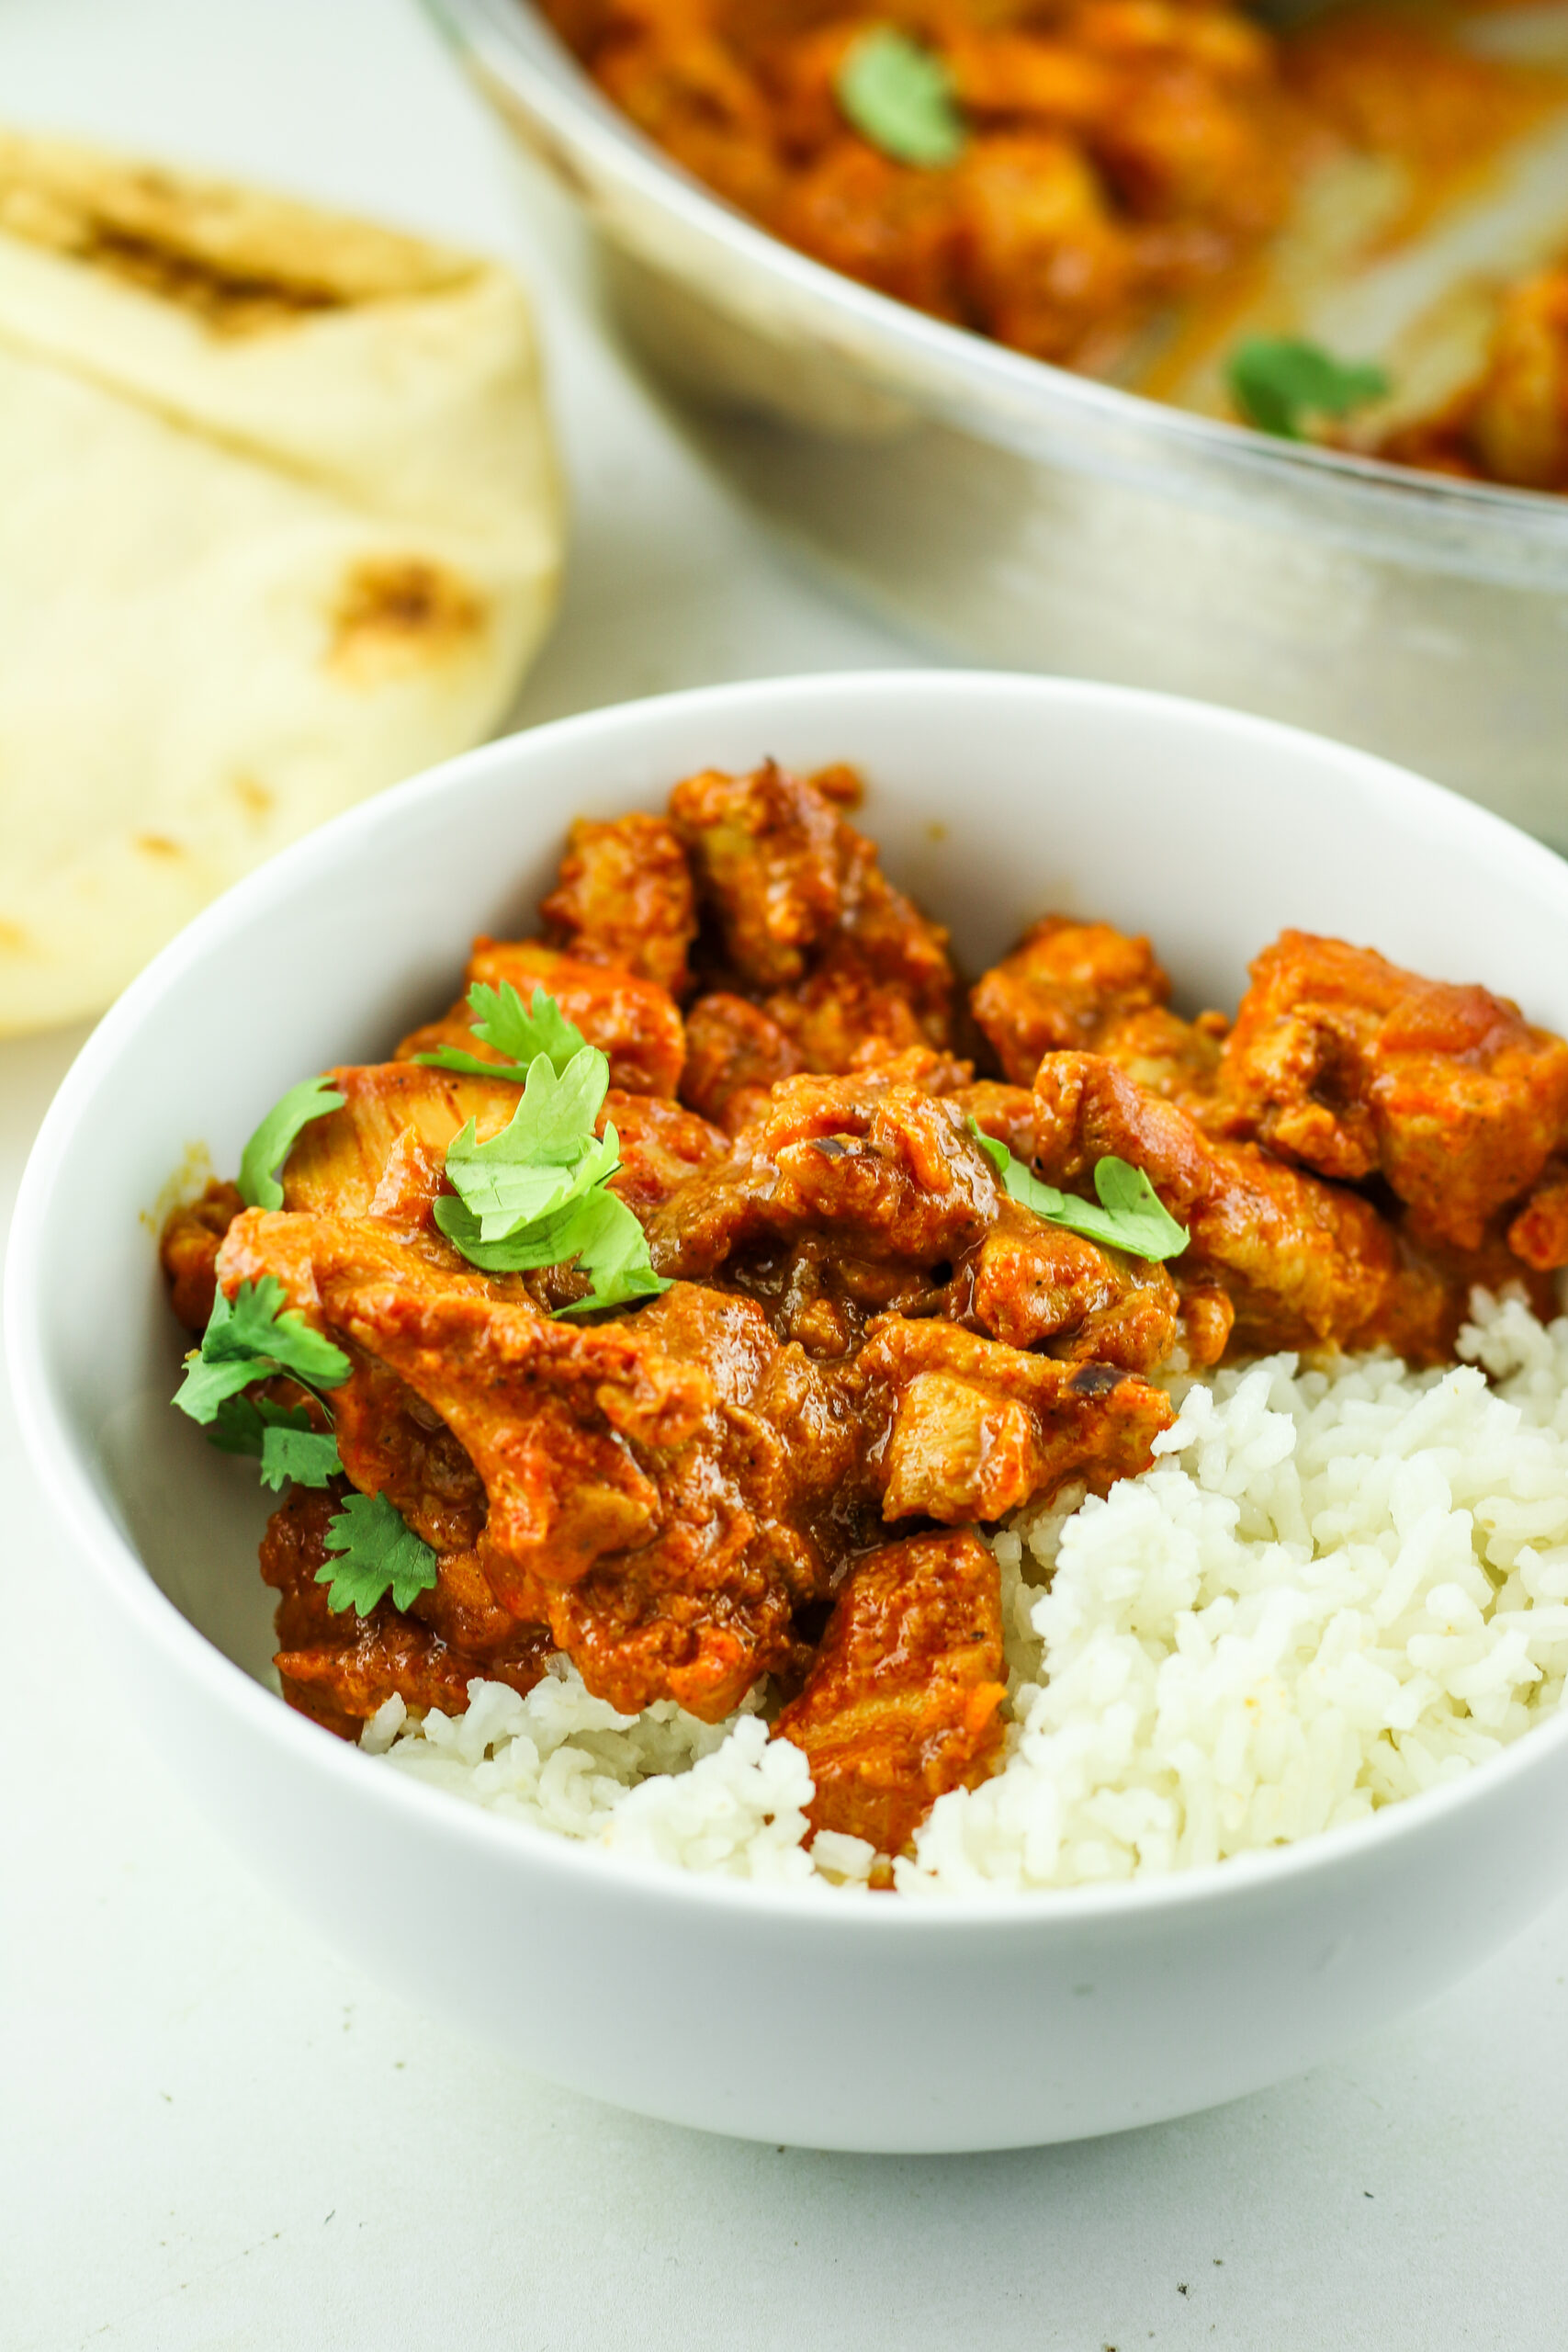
column 1337, row 1587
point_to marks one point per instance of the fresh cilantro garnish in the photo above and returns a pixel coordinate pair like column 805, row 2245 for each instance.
column 598, row 1231
column 545, row 1154
column 900, row 97
column 378, row 1553
column 537, row 1194
column 608, row 1243
column 1277, row 384
column 308, row 1456
column 251, row 1337
column 275, row 1139
column 522, row 1036
column 241, row 1423
column 1130, row 1215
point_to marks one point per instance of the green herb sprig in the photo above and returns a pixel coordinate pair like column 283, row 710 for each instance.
column 251, row 1337
column 374, row 1552
column 276, row 1135
column 900, row 97
column 537, row 1194
column 522, row 1036
column 1131, row 1217
column 1278, row 384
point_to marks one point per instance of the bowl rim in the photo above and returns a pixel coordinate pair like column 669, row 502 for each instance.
column 1235, row 455
column 122, row 1578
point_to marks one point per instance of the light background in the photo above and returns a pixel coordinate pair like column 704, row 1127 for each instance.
column 214, row 2135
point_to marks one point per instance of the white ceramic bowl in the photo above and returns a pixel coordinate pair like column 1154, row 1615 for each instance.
column 854, row 2023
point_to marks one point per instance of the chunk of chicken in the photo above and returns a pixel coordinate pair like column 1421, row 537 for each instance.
column 859, row 211
column 810, row 927
column 736, row 1055
column 904, row 1699
column 848, row 1190
column 187, row 1252
column 339, row 1668
column 1046, row 266
column 663, row 1146
column 1345, row 1063
column 885, row 1169
column 1166, row 1054
column 976, row 1429
column 1061, row 988
column 382, row 1153
column 658, row 1488
column 1303, row 1262
column 632, row 1021
column 1538, row 1235
column 625, row 898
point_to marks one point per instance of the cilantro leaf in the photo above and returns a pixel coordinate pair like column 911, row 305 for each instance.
column 597, row 1229
column 522, row 1036
column 208, row 1386
column 609, row 1244
column 275, row 1139
column 537, row 1194
column 308, row 1456
column 900, row 97
column 1130, row 1216
column 1277, row 383
column 251, row 1337
column 547, row 1154
column 241, row 1423
column 378, row 1553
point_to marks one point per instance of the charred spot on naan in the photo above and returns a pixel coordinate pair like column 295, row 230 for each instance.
column 395, row 616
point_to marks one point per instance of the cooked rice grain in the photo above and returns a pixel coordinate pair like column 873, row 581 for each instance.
column 1335, row 1588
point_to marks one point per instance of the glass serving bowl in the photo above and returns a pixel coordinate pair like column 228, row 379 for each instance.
column 1025, row 517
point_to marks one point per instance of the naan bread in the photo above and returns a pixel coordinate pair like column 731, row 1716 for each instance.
column 279, row 524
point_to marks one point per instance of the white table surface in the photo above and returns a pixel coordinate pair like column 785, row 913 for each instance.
column 214, row 2134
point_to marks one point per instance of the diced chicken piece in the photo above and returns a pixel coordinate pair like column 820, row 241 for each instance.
column 681, row 86
column 1206, row 162
column 382, row 1153
column 904, row 1699
column 1303, row 1262
column 655, row 1485
column 339, row 1668
column 1035, row 1285
column 977, row 1429
column 811, row 929
column 1020, row 78
column 1045, row 264
column 735, row 1054
column 765, row 850
column 624, row 896
column 863, row 1177
column 1346, row 1064
column 662, row 1147
column 632, row 1021
column 884, row 1169
column 858, row 210
column 1538, row 1235
column 391, row 1443
column 1006, row 1114
column 1166, row 1054
column 187, row 1252
column 1061, row 988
